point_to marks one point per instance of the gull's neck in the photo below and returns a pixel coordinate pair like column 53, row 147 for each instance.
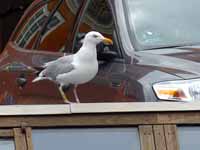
column 88, row 51
column 89, row 45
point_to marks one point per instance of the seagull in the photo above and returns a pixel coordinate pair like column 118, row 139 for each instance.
column 75, row 69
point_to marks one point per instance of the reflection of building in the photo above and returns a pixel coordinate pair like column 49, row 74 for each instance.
column 100, row 19
column 57, row 28
column 34, row 24
column 61, row 24
column 95, row 18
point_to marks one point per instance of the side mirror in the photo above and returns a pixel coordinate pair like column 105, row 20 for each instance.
column 108, row 56
column 105, row 53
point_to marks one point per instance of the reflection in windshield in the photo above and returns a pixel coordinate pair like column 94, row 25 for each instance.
column 161, row 24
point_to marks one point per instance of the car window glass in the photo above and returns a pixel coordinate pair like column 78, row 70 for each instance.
column 97, row 17
column 57, row 30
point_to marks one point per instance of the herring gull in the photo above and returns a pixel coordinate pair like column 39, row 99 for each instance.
column 75, row 69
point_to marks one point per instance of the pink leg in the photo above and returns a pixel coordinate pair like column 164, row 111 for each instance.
column 75, row 94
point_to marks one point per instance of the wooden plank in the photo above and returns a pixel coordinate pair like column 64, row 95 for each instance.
column 179, row 117
column 34, row 110
column 78, row 120
column 29, row 138
column 171, row 137
column 134, row 107
column 106, row 119
column 146, row 137
column 20, row 139
column 6, row 133
column 159, row 137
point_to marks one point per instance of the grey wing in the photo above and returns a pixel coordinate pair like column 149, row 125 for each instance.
column 59, row 66
column 64, row 59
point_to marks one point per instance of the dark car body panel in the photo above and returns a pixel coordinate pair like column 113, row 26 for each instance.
column 181, row 62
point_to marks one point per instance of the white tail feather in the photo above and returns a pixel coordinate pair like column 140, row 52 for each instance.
column 41, row 78
column 38, row 79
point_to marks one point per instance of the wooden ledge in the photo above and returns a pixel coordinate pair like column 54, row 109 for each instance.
column 134, row 107
column 19, row 110
column 15, row 110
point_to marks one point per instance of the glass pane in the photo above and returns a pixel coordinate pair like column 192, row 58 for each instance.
column 189, row 138
column 6, row 144
column 97, row 17
column 87, row 139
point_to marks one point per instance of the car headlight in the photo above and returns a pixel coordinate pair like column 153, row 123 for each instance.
column 180, row 90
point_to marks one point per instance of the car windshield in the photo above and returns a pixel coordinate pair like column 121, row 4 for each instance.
column 162, row 23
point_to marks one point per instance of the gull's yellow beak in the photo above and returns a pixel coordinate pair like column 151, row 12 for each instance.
column 107, row 41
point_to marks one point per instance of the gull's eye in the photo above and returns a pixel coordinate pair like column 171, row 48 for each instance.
column 95, row 36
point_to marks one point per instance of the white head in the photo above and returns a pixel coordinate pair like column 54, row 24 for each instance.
column 94, row 37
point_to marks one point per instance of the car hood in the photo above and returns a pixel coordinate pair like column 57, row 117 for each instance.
column 182, row 62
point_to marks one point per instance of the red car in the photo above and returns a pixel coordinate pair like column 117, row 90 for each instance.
column 155, row 55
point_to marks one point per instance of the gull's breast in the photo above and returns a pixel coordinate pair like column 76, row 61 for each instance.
column 85, row 72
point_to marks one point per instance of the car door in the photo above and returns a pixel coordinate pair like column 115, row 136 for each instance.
column 111, row 82
column 42, row 35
